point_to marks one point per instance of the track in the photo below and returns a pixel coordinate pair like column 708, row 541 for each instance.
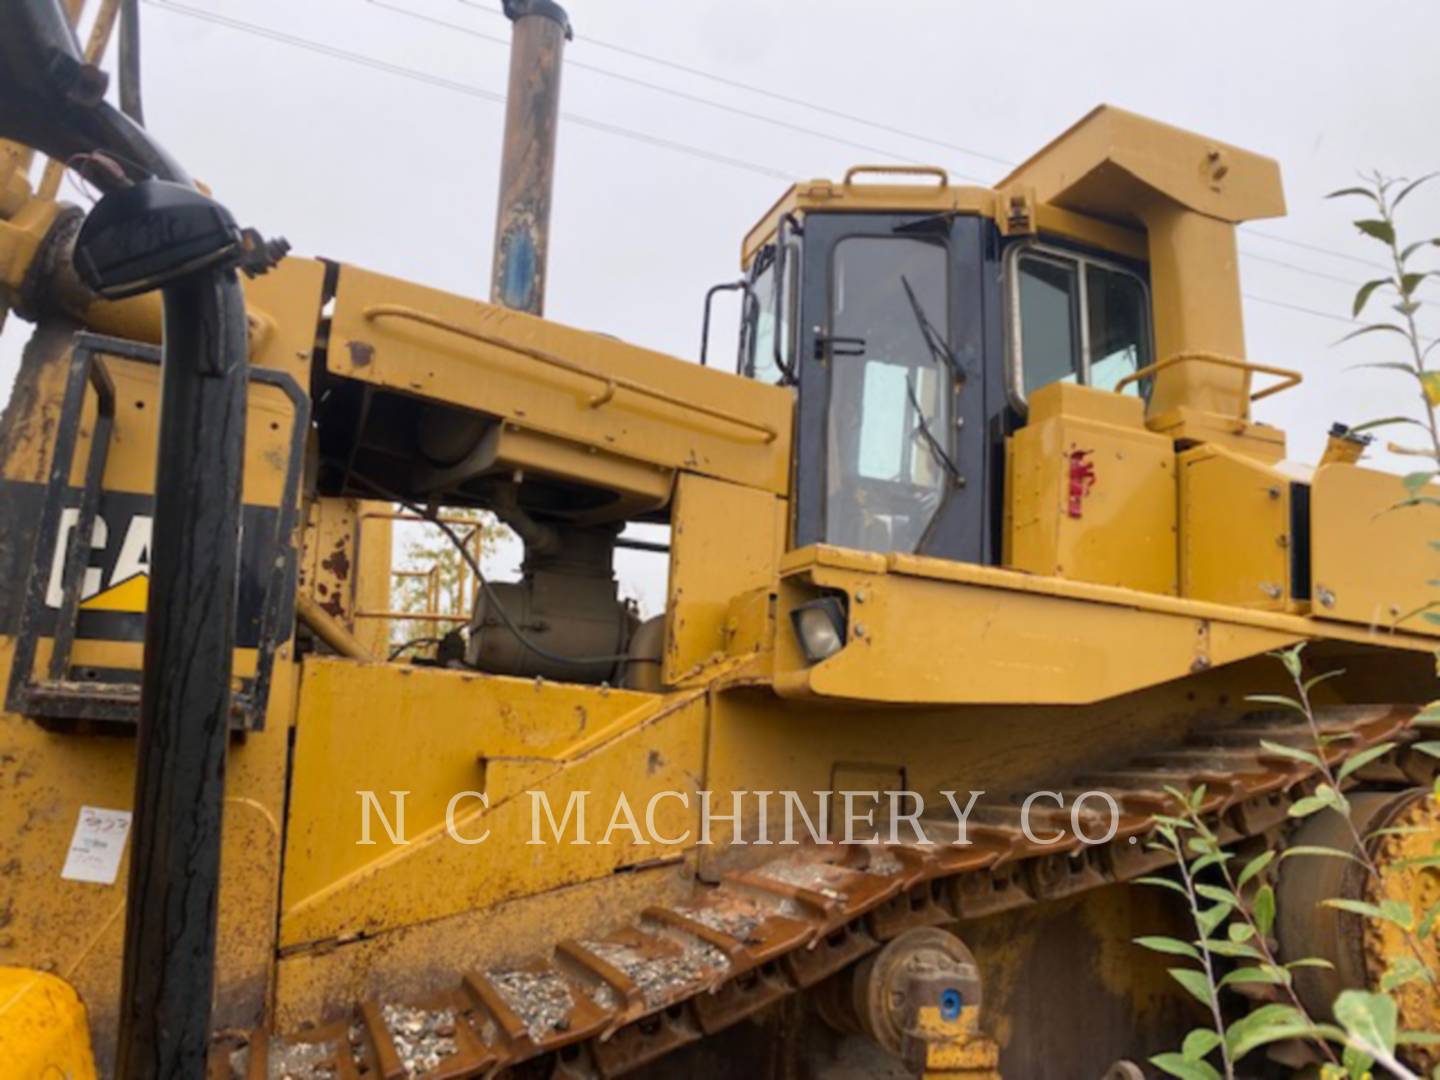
column 606, row 1005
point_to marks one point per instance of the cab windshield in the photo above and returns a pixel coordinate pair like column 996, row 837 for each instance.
column 889, row 392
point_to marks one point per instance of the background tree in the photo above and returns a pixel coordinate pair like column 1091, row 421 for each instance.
column 433, row 577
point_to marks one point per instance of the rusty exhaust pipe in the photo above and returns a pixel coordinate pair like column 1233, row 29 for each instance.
column 527, row 167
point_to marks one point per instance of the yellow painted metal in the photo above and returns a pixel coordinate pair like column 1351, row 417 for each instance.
column 375, row 561
column 1343, row 448
column 130, row 468
column 953, row 1048
column 43, row 1032
column 74, row 929
column 931, row 630
column 1196, row 305
column 621, row 404
column 1067, row 401
column 287, row 299
column 1189, row 427
column 1117, row 525
column 330, row 556
column 130, row 463
column 23, row 229
column 725, row 541
column 1287, row 377
column 101, row 27
column 1370, row 560
column 1235, row 534
column 750, row 625
column 15, row 160
column 757, row 743
column 1187, row 424
column 345, row 567
column 953, row 675
column 1188, row 193
column 1203, row 175
column 920, row 638
column 329, row 629
column 284, row 309
column 371, row 727
column 868, row 197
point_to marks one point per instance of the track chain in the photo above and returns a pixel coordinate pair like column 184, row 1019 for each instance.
column 606, row 1005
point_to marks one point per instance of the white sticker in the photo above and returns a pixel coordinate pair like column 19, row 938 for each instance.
column 97, row 845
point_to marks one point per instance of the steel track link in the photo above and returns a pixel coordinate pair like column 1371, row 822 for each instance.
column 603, row 1006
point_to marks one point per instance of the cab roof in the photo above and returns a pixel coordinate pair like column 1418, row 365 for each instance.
column 930, row 192
column 1081, row 186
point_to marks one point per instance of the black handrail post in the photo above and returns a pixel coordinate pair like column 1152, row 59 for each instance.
column 157, row 234
column 170, row 919
column 152, row 230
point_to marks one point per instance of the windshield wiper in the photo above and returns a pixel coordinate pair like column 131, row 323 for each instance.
column 922, row 429
column 934, row 340
column 939, row 354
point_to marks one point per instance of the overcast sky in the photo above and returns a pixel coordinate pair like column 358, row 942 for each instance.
column 398, row 174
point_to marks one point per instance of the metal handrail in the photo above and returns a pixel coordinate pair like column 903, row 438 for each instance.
column 903, row 170
column 612, row 382
column 1289, row 378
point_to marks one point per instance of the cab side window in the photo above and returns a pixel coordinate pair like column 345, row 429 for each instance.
column 1049, row 302
column 1074, row 319
column 770, row 314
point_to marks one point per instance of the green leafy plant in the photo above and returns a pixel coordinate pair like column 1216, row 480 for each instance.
column 1401, row 287
column 1234, row 913
column 1413, row 925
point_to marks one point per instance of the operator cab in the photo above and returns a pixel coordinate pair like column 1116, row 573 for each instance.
column 914, row 332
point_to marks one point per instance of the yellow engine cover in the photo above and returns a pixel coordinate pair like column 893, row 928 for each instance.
column 1235, row 530
column 1371, row 556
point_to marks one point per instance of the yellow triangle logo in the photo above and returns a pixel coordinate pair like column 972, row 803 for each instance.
column 128, row 595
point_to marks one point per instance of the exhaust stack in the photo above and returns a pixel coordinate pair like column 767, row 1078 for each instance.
column 527, row 167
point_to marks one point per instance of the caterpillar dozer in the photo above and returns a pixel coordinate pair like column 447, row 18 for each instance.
column 979, row 538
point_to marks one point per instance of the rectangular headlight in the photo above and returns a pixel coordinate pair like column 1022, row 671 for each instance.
column 820, row 627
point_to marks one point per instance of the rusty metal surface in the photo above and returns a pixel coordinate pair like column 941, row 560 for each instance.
column 527, row 165
column 1403, row 854
column 606, row 1005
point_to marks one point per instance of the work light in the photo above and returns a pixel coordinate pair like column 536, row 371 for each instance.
column 820, row 627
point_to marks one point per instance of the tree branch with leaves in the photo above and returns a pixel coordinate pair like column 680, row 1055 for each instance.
column 1401, row 287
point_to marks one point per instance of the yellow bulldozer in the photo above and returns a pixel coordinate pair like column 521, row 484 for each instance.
column 974, row 558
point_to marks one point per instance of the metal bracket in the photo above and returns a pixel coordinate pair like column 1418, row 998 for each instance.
column 115, row 698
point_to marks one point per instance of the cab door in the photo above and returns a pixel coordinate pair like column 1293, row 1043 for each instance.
column 891, row 448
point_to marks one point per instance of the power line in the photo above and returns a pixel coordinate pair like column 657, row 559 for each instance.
column 1317, row 249
column 1301, row 309
column 1351, row 282
column 439, row 82
column 458, row 87
column 1298, row 308
column 917, row 136
column 772, row 94
column 672, row 92
column 1301, row 269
